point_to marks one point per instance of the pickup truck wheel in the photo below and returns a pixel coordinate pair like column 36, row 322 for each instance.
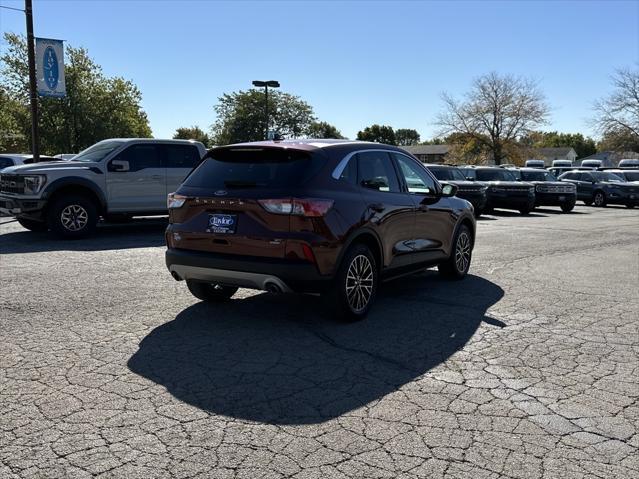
column 33, row 225
column 72, row 217
column 213, row 293
column 355, row 286
column 458, row 264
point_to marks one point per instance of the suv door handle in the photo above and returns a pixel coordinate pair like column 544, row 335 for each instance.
column 377, row 207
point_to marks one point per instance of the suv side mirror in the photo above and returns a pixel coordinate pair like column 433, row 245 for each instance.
column 449, row 190
column 119, row 165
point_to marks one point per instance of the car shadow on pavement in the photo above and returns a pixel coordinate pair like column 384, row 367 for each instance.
column 281, row 360
column 139, row 233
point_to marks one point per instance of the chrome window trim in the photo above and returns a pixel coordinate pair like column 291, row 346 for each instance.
column 341, row 166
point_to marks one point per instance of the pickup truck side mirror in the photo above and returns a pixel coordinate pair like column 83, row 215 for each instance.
column 119, row 165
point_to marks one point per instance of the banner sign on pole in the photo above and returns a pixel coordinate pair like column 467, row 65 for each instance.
column 50, row 67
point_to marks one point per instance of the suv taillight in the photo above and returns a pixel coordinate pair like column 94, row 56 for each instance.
column 175, row 201
column 309, row 207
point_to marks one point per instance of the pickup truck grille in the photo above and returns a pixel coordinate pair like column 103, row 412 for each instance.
column 11, row 184
column 556, row 188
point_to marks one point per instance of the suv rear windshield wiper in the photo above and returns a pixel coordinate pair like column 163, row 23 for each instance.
column 240, row 184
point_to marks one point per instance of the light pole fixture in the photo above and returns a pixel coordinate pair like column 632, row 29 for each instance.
column 266, row 84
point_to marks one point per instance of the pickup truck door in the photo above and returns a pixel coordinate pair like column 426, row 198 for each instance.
column 136, row 179
column 180, row 160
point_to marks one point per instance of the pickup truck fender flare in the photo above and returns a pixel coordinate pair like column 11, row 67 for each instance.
column 71, row 181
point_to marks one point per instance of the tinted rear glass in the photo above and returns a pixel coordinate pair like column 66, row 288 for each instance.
column 250, row 167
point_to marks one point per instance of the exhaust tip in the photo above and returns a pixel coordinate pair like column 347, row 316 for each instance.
column 273, row 287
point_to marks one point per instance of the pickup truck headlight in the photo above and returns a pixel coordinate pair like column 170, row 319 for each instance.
column 33, row 184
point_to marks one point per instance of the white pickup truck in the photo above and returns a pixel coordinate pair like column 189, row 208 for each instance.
column 112, row 179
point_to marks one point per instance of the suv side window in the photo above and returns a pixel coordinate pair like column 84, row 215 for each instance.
column 418, row 181
column 140, row 157
column 585, row 177
column 181, row 156
column 375, row 171
column 350, row 172
column 4, row 162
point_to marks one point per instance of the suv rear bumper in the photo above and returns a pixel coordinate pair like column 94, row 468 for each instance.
column 268, row 274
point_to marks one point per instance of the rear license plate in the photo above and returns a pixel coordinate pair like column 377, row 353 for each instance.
column 224, row 224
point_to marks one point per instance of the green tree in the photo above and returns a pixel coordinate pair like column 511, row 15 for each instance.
column 322, row 129
column 96, row 107
column 192, row 133
column 378, row 134
column 583, row 146
column 496, row 111
column 406, row 137
column 241, row 116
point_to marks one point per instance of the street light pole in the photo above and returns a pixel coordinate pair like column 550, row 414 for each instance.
column 266, row 84
column 33, row 94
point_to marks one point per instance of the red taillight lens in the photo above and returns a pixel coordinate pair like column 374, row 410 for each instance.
column 310, row 207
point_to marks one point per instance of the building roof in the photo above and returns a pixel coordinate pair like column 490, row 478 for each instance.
column 427, row 149
column 553, row 152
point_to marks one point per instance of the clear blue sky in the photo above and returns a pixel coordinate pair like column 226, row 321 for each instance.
column 356, row 63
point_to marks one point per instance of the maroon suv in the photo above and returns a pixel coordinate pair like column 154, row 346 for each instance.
column 316, row 216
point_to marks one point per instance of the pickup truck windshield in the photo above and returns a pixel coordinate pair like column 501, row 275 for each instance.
column 497, row 174
column 98, row 151
column 540, row 175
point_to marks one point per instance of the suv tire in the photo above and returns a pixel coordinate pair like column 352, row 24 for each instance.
column 458, row 264
column 212, row 293
column 567, row 207
column 33, row 225
column 72, row 216
column 355, row 285
column 599, row 199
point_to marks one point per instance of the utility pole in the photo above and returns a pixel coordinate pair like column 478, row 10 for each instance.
column 33, row 94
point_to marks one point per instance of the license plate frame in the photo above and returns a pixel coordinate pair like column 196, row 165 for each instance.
column 222, row 223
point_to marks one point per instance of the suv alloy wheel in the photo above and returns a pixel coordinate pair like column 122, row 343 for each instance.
column 457, row 266
column 599, row 199
column 355, row 285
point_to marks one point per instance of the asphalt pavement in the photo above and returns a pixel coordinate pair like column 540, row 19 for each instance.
column 528, row 368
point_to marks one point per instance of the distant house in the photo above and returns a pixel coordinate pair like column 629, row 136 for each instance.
column 429, row 153
column 554, row 153
column 610, row 158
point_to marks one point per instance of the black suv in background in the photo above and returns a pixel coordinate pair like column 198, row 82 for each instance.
column 601, row 188
column 549, row 191
column 471, row 191
column 504, row 191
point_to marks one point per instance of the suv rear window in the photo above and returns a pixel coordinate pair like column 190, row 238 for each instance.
column 255, row 167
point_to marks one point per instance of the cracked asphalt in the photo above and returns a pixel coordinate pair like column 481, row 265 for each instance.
column 528, row 368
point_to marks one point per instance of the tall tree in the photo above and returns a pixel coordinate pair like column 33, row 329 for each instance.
column 192, row 133
column 378, row 134
column 96, row 107
column 583, row 146
column 617, row 115
column 322, row 129
column 241, row 116
column 496, row 111
column 406, row 137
